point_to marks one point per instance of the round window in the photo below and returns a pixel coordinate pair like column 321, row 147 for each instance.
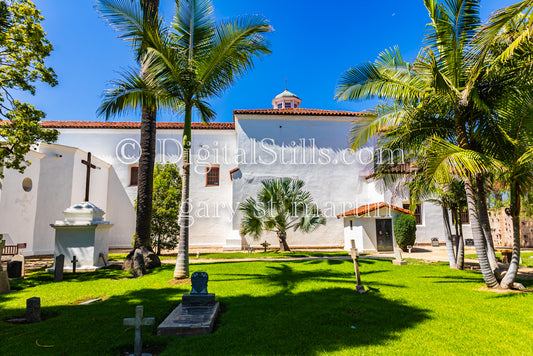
column 27, row 184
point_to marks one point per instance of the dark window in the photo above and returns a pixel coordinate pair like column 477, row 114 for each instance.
column 212, row 176
column 465, row 218
column 134, row 176
column 418, row 213
column 280, row 105
column 287, row 105
column 351, row 224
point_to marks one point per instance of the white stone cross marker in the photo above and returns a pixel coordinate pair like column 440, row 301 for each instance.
column 138, row 322
column 359, row 288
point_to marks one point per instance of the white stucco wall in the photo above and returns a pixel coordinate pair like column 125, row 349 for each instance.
column 211, row 205
column 314, row 149
column 62, row 184
column 18, row 208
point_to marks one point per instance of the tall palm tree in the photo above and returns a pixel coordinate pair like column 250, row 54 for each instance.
column 281, row 205
column 432, row 89
column 185, row 64
column 148, row 11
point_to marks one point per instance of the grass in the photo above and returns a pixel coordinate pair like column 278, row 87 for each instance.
column 241, row 255
column 278, row 308
column 527, row 258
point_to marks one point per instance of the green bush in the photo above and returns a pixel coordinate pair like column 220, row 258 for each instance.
column 405, row 230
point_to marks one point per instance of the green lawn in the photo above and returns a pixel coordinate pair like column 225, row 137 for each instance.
column 527, row 258
column 279, row 308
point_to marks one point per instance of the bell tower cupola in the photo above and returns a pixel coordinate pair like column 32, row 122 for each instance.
column 286, row 100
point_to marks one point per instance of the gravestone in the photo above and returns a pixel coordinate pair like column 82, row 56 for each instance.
column 138, row 322
column 74, row 262
column 398, row 260
column 197, row 312
column 4, row 280
column 14, row 269
column 33, row 310
column 20, row 258
column 58, row 268
column 265, row 246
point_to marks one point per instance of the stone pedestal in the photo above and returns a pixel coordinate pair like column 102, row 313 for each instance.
column 84, row 234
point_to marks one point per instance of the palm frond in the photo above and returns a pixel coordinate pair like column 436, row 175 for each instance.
column 235, row 45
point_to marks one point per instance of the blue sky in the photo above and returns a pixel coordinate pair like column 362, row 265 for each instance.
column 313, row 43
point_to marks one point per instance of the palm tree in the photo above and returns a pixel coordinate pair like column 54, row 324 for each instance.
column 281, row 205
column 186, row 64
column 512, row 144
column 148, row 11
column 432, row 95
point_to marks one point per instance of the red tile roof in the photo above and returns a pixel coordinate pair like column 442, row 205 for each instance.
column 367, row 208
column 395, row 169
column 132, row 125
column 298, row 111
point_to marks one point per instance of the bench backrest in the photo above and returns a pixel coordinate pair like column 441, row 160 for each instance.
column 10, row 250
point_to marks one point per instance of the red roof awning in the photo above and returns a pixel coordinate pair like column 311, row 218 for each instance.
column 365, row 209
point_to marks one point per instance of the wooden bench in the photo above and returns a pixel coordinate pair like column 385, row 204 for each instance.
column 12, row 250
column 507, row 253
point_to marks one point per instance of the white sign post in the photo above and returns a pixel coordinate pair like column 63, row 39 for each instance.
column 359, row 287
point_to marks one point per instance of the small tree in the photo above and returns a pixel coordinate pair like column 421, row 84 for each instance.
column 281, row 205
column 166, row 205
column 23, row 49
column 405, row 230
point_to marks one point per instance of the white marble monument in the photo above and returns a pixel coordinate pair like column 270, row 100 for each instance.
column 84, row 234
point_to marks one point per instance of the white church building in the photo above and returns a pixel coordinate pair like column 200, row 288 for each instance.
column 229, row 162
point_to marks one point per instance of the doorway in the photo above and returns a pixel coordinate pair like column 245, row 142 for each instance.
column 384, row 234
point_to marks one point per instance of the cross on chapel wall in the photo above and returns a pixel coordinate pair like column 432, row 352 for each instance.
column 90, row 166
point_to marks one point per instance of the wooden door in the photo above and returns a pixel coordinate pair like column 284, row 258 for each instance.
column 384, row 234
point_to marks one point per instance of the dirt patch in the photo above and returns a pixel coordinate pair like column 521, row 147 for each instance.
column 177, row 282
column 503, row 291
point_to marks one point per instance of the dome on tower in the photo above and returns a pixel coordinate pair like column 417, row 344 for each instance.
column 286, row 100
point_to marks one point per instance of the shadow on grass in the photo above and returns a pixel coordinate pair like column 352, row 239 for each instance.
column 311, row 322
column 307, row 323
column 454, row 279
column 41, row 276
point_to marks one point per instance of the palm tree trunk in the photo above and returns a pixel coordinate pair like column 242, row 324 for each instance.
column 455, row 216
column 182, row 262
column 479, row 239
column 485, row 224
column 283, row 246
column 477, row 232
column 460, row 244
column 449, row 241
column 508, row 281
column 145, row 187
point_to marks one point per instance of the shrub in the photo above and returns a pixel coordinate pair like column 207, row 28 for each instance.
column 165, row 207
column 405, row 230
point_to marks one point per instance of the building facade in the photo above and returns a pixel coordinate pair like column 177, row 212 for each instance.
column 229, row 162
